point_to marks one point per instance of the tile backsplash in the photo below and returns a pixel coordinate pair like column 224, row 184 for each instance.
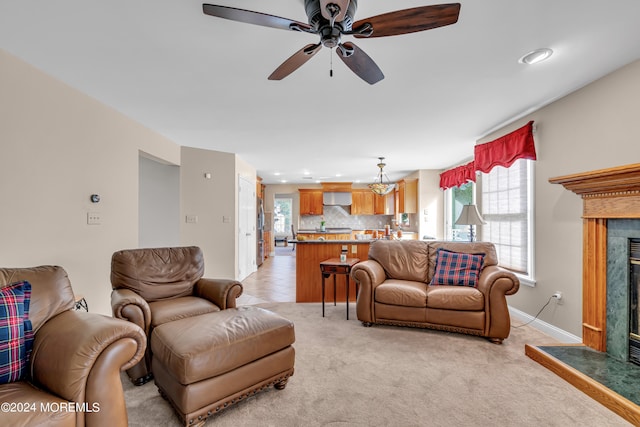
column 340, row 217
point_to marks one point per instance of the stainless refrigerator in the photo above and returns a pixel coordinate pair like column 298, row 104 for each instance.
column 260, row 233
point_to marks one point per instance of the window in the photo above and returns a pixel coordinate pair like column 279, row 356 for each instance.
column 456, row 198
column 507, row 207
column 282, row 215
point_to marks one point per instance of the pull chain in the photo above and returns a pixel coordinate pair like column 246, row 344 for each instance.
column 331, row 63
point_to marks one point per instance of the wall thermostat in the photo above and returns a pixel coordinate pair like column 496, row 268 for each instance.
column 95, row 198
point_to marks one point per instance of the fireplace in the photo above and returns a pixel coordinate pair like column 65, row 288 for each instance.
column 634, row 308
column 611, row 216
column 610, row 286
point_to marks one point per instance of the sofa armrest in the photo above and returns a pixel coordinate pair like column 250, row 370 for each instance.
column 489, row 281
column 78, row 356
column 495, row 283
column 128, row 305
column 367, row 274
column 221, row 292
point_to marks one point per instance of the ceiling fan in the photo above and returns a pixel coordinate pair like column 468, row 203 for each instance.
column 332, row 19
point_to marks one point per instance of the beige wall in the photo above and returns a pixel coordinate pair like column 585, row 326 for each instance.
column 58, row 146
column 430, row 204
column 214, row 202
column 593, row 128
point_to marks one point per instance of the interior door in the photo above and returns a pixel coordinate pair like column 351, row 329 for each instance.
column 246, row 228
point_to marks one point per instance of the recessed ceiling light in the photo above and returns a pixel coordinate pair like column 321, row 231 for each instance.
column 276, row 173
column 283, row 181
column 536, row 56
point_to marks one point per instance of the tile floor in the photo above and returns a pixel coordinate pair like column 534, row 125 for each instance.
column 275, row 281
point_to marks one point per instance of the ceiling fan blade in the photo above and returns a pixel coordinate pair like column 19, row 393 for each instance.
column 409, row 20
column 343, row 5
column 257, row 18
column 360, row 63
column 295, row 61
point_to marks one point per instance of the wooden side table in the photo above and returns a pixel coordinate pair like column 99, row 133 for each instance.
column 335, row 266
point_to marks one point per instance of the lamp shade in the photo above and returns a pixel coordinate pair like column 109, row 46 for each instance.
column 470, row 216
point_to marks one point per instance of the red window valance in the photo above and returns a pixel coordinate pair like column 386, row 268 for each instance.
column 506, row 149
column 457, row 176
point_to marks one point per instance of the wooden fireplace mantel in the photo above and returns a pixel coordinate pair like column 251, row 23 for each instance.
column 606, row 194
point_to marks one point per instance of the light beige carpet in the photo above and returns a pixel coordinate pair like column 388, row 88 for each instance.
column 349, row 375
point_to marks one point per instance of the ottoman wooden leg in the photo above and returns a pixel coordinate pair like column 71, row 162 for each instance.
column 280, row 385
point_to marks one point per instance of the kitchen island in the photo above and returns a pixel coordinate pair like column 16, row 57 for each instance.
column 309, row 255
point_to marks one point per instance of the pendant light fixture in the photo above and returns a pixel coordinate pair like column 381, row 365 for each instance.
column 380, row 187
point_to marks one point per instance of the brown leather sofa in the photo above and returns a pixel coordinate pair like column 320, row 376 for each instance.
column 395, row 289
column 155, row 286
column 75, row 364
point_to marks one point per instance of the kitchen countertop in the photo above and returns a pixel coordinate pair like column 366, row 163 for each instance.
column 328, row 231
column 337, row 242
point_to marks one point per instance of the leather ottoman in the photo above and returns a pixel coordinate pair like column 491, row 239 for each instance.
column 203, row 364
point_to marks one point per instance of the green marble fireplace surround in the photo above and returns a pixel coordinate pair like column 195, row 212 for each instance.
column 619, row 231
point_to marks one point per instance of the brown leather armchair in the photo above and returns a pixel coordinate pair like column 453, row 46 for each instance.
column 158, row 285
column 75, row 364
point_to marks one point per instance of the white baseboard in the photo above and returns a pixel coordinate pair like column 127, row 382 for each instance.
column 547, row 328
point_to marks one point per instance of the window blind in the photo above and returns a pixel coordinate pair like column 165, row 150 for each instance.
column 505, row 208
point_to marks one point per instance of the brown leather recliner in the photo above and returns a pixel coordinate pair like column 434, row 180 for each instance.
column 158, row 285
column 75, row 364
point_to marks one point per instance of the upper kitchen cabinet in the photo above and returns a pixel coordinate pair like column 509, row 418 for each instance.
column 384, row 205
column 310, row 201
column 362, row 202
column 407, row 196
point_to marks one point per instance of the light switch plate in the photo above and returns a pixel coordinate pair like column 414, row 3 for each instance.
column 94, row 218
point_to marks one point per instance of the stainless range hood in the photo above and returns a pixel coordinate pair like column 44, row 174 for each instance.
column 336, row 198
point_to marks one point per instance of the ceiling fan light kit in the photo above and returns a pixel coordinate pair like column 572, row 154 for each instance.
column 332, row 19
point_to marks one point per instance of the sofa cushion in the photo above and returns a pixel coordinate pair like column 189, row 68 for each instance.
column 16, row 335
column 402, row 292
column 402, row 259
column 179, row 308
column 39, row 408
column 462, row 298
column 455, row 268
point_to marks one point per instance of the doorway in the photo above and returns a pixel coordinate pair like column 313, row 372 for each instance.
column 246, row 228
column 158, row 203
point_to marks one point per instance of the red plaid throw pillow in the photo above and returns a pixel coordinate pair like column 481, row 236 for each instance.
column 455, row 268
column 16, row 335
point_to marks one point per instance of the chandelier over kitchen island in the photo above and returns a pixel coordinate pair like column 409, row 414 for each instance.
column 379, row 187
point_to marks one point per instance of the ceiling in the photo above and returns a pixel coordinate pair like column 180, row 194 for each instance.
column 202, row 81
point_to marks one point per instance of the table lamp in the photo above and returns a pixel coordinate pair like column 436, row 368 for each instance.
column 470, row 216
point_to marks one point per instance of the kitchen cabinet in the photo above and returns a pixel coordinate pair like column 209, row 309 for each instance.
column 308, row 277
column 362, row 202
column 310, row 202
column 407, row 196
column 384, row 205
